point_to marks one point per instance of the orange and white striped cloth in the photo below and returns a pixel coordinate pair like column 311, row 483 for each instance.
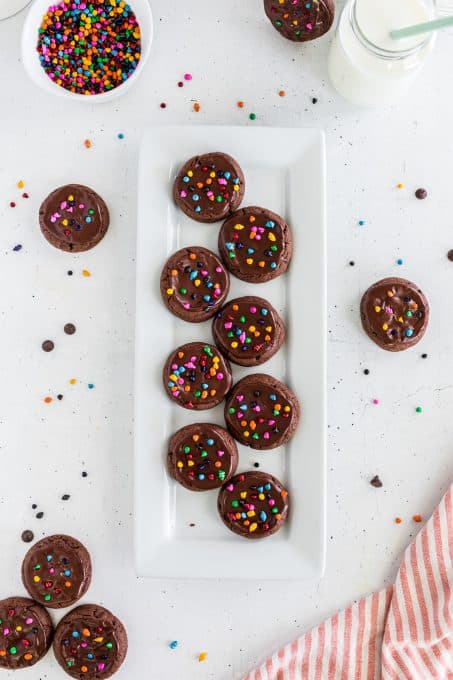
column 404, row 632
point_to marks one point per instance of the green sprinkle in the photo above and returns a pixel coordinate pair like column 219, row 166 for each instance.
column 252, row 116
column 197, row 393
column 278, row 23
column 91, row 211
column 203, row 454
column 231, row 255
column 186, row 449
column 274, row 249
column 418, row 409
column 409, row 313
column 255, row 435
column 109, row 645
column 242, row 319
column 235, row 504
column 207, row 350
column 276, row 413
column 47, row 598
column 70, row 663
column 13, row 650
column 37, row 567
column 231, row 410
column 219, row 199
column 274, row 510
column 248, row 341
column 183, row 291
column 221, row 475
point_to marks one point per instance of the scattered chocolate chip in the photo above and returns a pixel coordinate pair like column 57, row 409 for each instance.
column 27, row 536
column 48, row 345
column 314, row 100
column 256, row 464
column 59, row 397
column 424, row 356
column 69, row 329
column 84, row 474
column 450, row 255
column 70, row 272
column 17, row 248
column 192, row 524
column 65, row 497
column 376, row 482
column 366, row 371
column 39, row 515
column 351, row 263
column 421, row 193
column 34, row 506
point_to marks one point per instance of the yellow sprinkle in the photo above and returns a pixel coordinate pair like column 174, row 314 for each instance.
column 70, row 198
column 377, row 309
column 271, row 236
column 169, row 291
column 287, row 409
column 190, row 173
column 252, row 329
column 389, row 293
column 400, row 185
column 190, row 463
column 18, row 628
column 234, row 344
column 385, row 327
column 236, row 187
column 20, row 184
column 243, row 494
column 211, row 174
column 253, row 527
column 251, row 513
column 261, row 496
column 197, row 282
column 72, row 381
column 99, row 639
column 203, row 656
column 246, row 433
column 179, row 464
column 239, row 227
column 65, row 223
column 85, row 272
column 249, row 260
column 269, row 329
column 36, row 579
column 400, row 319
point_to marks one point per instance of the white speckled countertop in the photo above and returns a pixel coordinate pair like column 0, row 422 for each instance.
column 233, row 53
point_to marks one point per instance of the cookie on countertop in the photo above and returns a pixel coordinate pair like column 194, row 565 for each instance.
column 248, row 330
column 300, row 20
column 196, row 376
column 209, row 187
column 74, row 218
column 394, row 313
column 90, row 642
column 56, row 571
column 194, row 283
column 26, row 632
column 253, row 504
column 255, row 244
column 261, row 412
column 202, row 456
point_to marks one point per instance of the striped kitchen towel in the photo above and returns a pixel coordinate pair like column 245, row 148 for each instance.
column 404, row 632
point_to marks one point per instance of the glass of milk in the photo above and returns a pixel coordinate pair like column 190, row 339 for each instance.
column 368, row 67
column 9, row 8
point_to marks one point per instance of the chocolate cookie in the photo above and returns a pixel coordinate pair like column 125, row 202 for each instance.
column 56, row 571
column 209, row 187
column 261, row 412
column 90, row 642
column 74, row 218
column 202, row 456
column 300, row 20
column 25, row 632
column 248, row 330
column 194, row 284
column 394, row 314
column 253, row 504
column 197, row 376
column 255, row 244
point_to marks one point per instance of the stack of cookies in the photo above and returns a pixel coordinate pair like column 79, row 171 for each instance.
column 254, row 245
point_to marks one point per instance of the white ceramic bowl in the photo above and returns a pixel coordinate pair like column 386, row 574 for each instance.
column 30, row 57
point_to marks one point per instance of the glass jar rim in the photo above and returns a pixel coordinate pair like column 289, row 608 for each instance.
column 381, row 51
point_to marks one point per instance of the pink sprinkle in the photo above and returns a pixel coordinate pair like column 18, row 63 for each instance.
column 83, row 644
column 230, row 487
column 101, row 666
column 175, row 394
column 186, row 305
column 63, row 205
column 252, row 310
column 309, row 26
column 183, row 194
column 219, row 376
column 228, row 325
column 204, row 272
column 266, row 435
column 222, row 181
column 258, row 237
column 217, row 292
column 218, row 270
column 51, row 570
column 240, row 397
column 242, row 337
column 220, row 453
column 81, row 206
column 271, row 501
column 180, row 381
column 6, row 631
column 187, row 76
column 254, row 229
column 271, row 422
column 53, row 218
column 389, row 310
column 375, row 401
column 257, row 408
column 174, row 367
column 210, row 193
column 261, row 230
column 29, row 621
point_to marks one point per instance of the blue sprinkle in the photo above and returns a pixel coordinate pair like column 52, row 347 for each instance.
column 185, row 179
column 90, row 656
column 205, row 386
column 308, row 5
column 243, row 407
column 267, row 486
column 90, row 386
column 227, row 175
column 263, row 516
column 67, row 572
column 264, row 312
column 243, row 515
column 75, row 634
column 236, row 180
column 210, row 442
column 173, row 644
column 250, row 251
column 273, row 265
column 195, row 197
column 198, row 209
column 229, row 246
column 120, row 135
column 273, row 397
column 409, row 333
column 88, row 219
column 361, row 223
column 17, row 248
column 270, row 224
column 206, row 298
column 260, row 489
column 399, row 261
column 201, row 476
column 193, row 275
column 49, row 558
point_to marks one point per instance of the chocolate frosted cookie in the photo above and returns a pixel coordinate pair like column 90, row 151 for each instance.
column 56, row 571
column 261, row 412
column 253, row 504
column 202, row 456
column 255, row 244
column 25, row 632
column 197, row 376
column 209, row 187
column 74, row 218
column 300, row 20
column 194, row 284
column 90, row 642
column 394, row 314
column 248, row 330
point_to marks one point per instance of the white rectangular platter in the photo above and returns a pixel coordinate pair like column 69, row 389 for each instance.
column 178, row 533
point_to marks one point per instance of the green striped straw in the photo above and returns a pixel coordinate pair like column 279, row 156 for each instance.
column 426, row 27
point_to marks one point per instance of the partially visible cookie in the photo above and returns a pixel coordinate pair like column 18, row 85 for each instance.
column 25, row 633
column 74, row 218
column 194, row 283
column 261, row 412
column 90, row 642
column 253, row 504
column 394, row 314
column 255, row 244
column 300, row 20
column 209, row 187
column 56, row 571
column 248, row 330
column 196, row 376
column 202, row 456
